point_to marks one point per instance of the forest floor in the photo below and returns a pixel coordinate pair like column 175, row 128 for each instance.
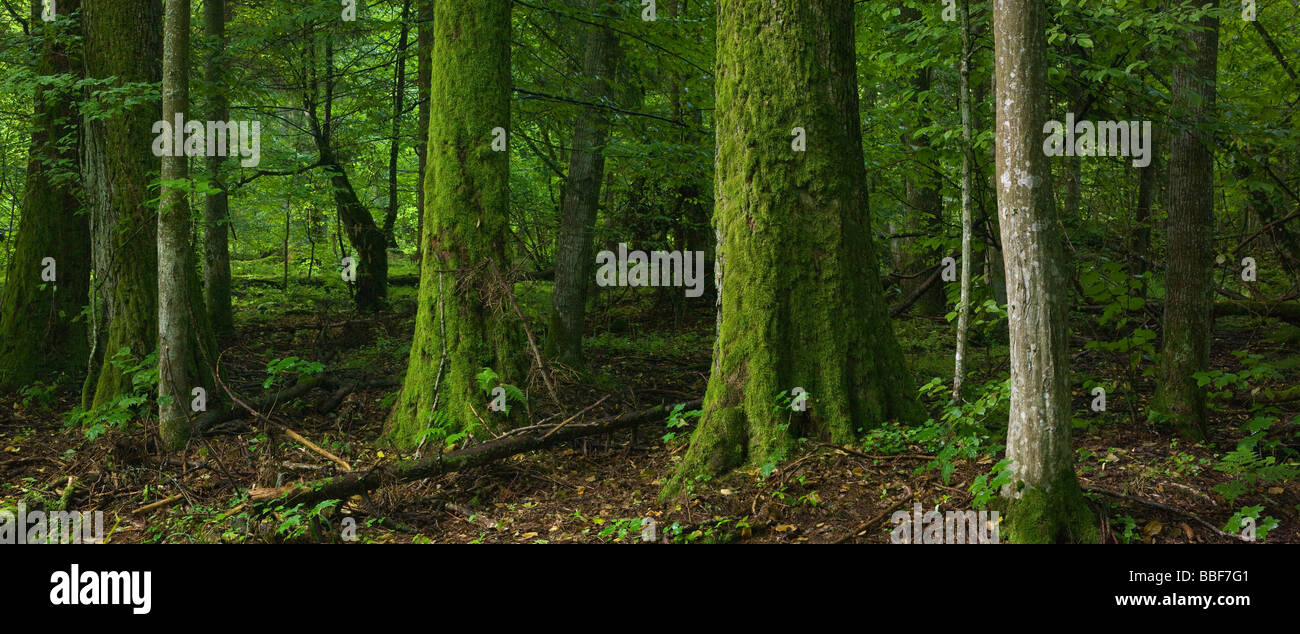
column 1148, row 485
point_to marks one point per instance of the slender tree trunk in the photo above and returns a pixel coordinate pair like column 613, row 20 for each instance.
column 573, row 241
column 924, row 211
column 1140, row 242
column 788, row 321
column 1043, row 500
column 216, row 209
column 464, row 322
column 1189, row 289
column 365, row 236
column 123, row 44
column 399, row 93
column 175, row 302
column 424, row 76
column 967, row 163
column 40, row 332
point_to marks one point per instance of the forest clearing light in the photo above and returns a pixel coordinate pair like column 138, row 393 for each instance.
column 1104, row 138
column 215, row 138
column 660, row 268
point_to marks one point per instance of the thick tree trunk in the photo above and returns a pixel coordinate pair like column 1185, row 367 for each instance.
column 801, row 299
column 1043, row 501
column 1189, row 288
column 573, row 241
column 216, row 209
column 123, row 43
column 40, row 332
column 462, row 324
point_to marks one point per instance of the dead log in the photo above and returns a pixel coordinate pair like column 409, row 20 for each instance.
column 345, row 486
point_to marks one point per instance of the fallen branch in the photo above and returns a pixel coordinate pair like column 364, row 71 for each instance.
column 240, row 408
column 317, row 448
column 153, row 506
column 1164, row 507
column 345, row 486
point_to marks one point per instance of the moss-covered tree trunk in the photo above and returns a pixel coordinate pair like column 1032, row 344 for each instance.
column 1044, row 502
column 123, row 46
column 216, row 208
column 464, row 322
column 573, row 241
column 1189, row 288
column 40, row 333
column 802, row 305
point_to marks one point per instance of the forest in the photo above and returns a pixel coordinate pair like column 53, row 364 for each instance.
column 650, row 271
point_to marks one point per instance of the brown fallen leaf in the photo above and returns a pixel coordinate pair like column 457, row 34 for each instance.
column 1188, row 529
column 1152, row 529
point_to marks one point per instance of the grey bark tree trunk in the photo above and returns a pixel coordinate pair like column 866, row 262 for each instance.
column 174, row 301
column 1188, row 322
column 573, row 241
column 1043, row 500
column 399, row 94
column 216, row 207
column 967, row 163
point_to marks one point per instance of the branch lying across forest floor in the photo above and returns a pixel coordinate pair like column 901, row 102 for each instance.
column 208, row 420
column 1285, row 311
column 1164, row 507
column 345, row 486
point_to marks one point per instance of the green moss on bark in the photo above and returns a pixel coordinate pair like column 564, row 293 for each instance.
column 464, row 321
column 800, row 293
column 1056, row 514
column 40, row 333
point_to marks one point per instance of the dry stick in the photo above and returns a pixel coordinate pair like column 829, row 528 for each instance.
column 352, row 483
column 1164, row 507
column 547, row 379
column 879, row 516
column 153, row 506
column 305, row 386
column 571, row 418
column 854, row 452
column 317, row 448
